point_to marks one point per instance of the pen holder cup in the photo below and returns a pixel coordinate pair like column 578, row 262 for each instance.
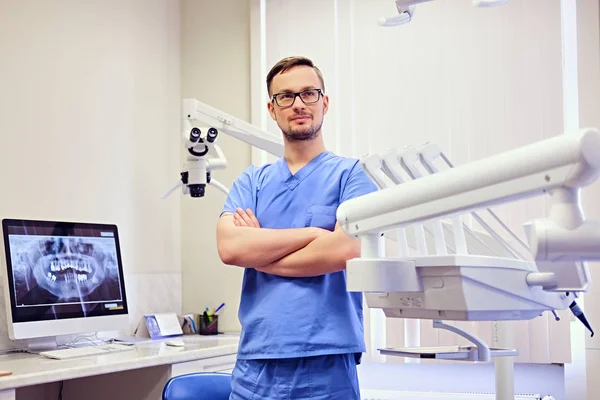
column 209, row 326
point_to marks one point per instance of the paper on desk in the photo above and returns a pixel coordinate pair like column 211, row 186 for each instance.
column 168, row 323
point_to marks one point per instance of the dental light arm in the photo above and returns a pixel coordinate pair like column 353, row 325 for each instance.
column 558, row 166
column 199, row 143
column 406, row 10
column 431, row 152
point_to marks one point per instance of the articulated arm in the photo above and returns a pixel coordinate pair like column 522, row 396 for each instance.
column 566, row 161
column 559, row 244
column 406, row 10
column 460, row 285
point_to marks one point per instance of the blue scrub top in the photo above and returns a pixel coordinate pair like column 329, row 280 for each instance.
column 299, row 317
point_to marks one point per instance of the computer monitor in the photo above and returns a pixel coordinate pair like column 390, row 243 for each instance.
column 62, row 278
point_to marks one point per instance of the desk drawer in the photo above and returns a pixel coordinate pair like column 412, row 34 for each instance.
column 214, row 364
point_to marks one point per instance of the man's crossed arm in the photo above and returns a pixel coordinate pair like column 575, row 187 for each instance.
column 242, row 246
column 298, row 252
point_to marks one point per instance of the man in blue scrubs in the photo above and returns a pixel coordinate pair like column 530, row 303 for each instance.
column 302, row 332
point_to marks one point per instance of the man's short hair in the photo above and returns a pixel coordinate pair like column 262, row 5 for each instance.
column 288, row 63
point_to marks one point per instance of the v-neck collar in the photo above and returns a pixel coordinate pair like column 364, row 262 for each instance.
column 293, row 180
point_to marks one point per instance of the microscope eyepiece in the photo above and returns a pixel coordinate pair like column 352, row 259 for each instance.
column 211, row 135
column 195, row 135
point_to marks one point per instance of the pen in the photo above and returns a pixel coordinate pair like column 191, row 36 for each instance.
column 218, row 308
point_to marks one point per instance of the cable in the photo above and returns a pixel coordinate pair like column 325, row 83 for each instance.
column 60, row 390
column 68, row 345
column 84, row 338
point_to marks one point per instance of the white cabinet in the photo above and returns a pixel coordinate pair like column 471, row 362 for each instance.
column 223, row 363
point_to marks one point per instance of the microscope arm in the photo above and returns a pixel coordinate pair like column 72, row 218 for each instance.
column 194, row 110
column 198, row 168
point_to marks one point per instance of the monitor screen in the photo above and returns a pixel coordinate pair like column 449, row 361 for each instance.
column 63, row 270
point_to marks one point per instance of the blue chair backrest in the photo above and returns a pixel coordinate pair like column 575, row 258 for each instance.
column 198, row 386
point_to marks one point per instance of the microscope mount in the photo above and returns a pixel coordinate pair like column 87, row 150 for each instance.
column 198, row 167
column 197, row 170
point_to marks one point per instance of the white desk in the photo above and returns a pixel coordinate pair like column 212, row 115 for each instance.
column 140, row 373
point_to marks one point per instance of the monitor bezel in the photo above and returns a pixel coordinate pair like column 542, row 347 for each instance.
column 69, row 226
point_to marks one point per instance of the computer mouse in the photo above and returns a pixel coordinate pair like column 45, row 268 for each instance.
column 175, row 343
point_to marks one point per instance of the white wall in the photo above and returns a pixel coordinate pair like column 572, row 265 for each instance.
column 89, row 107
column 215, row 69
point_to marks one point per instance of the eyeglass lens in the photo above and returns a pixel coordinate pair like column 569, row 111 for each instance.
column 307, row 96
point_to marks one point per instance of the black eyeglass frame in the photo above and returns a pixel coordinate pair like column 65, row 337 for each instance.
column 297, row 94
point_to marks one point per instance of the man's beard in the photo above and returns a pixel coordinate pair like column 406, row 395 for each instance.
column 302, row 133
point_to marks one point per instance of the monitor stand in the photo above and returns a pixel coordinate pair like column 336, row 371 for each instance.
column 37, row 345
column 41, row 344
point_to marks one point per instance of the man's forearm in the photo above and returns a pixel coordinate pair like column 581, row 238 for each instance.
column 324, row 255
column 256, row 247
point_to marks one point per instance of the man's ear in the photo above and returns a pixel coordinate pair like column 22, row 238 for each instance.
column 271, row 109
column 325, row 104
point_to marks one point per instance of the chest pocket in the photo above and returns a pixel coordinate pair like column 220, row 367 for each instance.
column 321, row 217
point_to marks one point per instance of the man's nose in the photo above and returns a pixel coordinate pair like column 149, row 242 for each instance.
column 298, row 103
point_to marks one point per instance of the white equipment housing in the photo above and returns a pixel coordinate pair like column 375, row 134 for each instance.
column 470, row 287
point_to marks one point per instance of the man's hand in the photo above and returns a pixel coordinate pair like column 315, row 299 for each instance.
column 245, row 218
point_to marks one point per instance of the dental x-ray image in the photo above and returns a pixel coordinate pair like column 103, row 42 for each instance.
column 61, row 269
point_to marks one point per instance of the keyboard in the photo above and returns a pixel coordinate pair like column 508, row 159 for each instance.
column 86, row 351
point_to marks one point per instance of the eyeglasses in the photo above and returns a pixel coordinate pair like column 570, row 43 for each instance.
column 308, row 96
